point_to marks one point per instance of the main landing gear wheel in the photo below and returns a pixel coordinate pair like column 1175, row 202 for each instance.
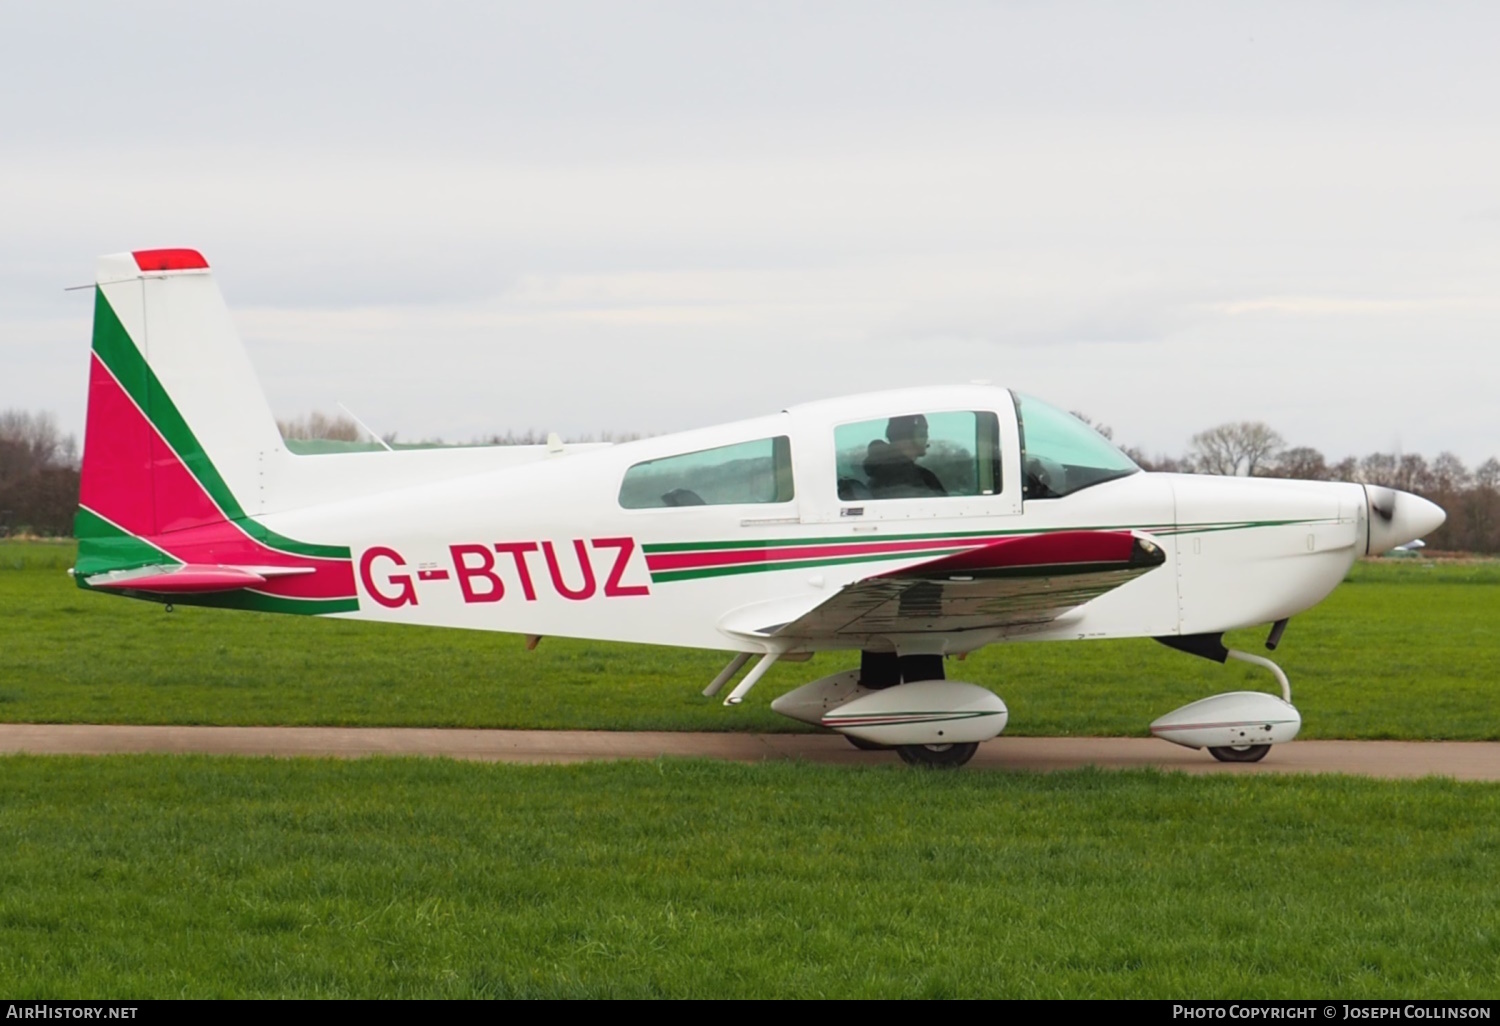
column 866, row 746
column 938, row 756
column 1240, row 753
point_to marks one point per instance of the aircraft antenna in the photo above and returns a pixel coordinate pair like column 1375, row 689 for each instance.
column 366, row 427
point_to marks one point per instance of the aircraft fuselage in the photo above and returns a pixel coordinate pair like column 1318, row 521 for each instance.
column 547, row 548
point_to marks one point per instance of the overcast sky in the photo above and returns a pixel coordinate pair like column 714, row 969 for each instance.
column 465, row 218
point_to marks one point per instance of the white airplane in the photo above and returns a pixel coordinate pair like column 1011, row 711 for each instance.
column 908, row 526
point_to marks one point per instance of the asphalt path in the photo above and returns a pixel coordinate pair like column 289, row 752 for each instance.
column 1462, row 760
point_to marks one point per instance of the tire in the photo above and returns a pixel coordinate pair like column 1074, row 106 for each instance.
column 938, row 756
column 866, row 746
column 1240, row 753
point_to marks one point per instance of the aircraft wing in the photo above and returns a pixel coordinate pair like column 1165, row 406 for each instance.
column 1013, row 582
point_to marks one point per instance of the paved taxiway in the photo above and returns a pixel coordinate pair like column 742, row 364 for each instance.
column 1463, row 760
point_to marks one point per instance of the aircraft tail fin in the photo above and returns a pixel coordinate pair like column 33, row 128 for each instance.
column 179, row 438
column 168, row 373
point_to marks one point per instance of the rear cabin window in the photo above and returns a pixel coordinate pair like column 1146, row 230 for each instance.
column 919, row 455
column 747, row 472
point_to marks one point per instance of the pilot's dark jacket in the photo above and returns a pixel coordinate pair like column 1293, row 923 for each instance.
column 893, row 476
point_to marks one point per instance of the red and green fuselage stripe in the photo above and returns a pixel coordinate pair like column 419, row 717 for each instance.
column 262, row 602
column 683, row 561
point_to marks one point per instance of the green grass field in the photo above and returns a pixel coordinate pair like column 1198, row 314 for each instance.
column 153, row 876
column 163, row 876
column 1403, row 650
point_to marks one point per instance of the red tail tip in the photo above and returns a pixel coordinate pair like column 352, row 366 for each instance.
column 169, row 260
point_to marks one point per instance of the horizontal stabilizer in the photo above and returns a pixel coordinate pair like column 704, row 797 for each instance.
column 190, row 578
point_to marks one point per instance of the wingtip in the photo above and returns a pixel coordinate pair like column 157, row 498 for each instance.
column 1146, row 552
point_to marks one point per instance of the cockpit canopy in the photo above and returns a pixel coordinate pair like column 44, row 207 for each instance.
column 960, row 451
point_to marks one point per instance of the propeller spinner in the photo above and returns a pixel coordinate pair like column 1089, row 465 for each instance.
column 1398, row 517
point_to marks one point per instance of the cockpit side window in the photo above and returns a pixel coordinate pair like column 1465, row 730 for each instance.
column 746, row 472
column 919, row 455
column 1061, row 454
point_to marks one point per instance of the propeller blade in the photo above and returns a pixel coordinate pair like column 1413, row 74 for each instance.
column 1382, row 502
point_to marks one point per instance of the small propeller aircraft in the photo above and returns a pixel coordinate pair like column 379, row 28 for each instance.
column 908, row 526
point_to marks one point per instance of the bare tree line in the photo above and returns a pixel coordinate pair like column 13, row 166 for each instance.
column 340, row 427
column 318, row 425
column 39, row 470
column 38, row 475
column 1254, row 449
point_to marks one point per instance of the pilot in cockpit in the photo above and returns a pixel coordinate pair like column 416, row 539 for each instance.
column 891, row 466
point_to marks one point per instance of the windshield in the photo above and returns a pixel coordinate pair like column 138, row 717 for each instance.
column 1061, row 453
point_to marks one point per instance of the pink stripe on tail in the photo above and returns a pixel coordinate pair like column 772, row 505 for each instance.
column 132, row 478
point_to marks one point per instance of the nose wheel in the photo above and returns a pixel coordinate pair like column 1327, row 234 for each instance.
column 1239, row 726
column 938, row 756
